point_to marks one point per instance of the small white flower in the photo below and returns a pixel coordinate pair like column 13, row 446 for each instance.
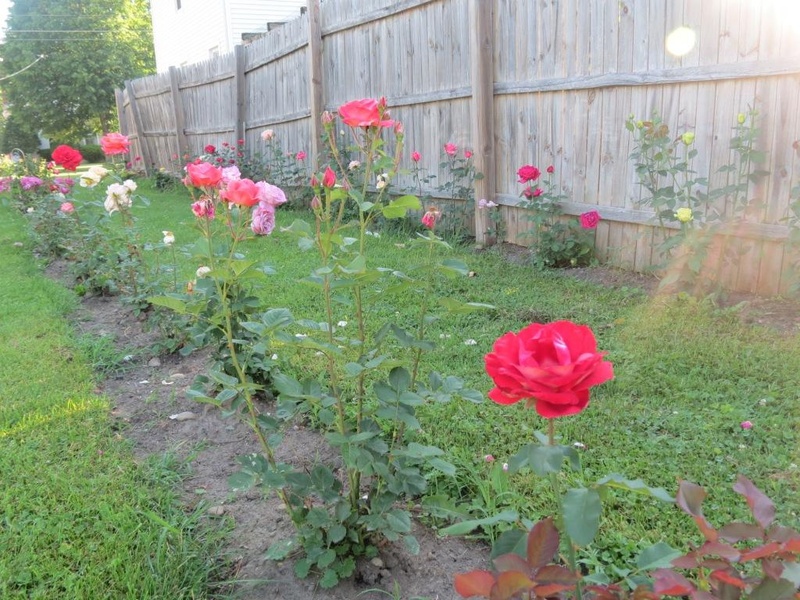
column 470, row 342
column 579, row 446
column 317, row 353
column 300, row 336
column 274, row 357
column 202, row 272
column 762, row 402
column 169, row 238
column 354, row 164
column 342, row 324
column 742, row 446
column 381, row 184
column 30, row 209
column 792, row 466
column 444, row 336
column 505, row 466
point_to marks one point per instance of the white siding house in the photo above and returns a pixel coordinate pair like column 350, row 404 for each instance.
column 189, row 31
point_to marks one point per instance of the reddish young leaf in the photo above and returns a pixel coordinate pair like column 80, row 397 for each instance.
column 542, row 543
column 511, row 562
column 792, row 546
column 736, row 532
column 509, row 584
column 729, row 576
column 719, row 549
column 474, row 583
column 772, row 568
column 702, row 595
column 761, row 551
column 690, row 499
column 762, row 507
column 555, row 574
column 670, row 583
column 779, row 533
column 687, row 561
column 714, row 564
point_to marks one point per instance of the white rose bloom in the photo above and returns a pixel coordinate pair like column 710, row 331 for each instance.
column 169, row 238
column 381, row 184
column 111, row 204
column 98, row 170
column 89, row 179
column 354, row 164
column 130, row 184
column 202, row 272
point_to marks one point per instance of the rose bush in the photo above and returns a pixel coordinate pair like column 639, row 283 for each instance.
column 550, row 366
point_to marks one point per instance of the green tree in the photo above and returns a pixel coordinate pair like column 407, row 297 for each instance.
column 89, row 47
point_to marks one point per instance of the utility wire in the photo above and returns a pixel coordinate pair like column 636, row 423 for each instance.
column 38, row 58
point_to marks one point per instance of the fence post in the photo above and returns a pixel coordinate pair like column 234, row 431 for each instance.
column 177, row 106
column 123, row 121
column 482, row 61
column 315, row 98
column 241, row 92
column 137, row 125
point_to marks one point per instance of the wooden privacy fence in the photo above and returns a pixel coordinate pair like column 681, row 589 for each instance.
column 544, row 82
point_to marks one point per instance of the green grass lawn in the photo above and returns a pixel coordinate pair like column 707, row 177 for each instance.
column 687, row 375
column 78, row 517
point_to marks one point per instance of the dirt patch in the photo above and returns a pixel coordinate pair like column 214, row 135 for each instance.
column 152, row 410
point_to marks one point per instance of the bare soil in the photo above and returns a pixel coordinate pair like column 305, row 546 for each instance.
column 147, row 395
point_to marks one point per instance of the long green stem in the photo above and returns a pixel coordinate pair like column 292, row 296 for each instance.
column 571, row 555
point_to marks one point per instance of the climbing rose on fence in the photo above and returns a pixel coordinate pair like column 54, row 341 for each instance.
column 430, row 217
column 241, row 191
column 210, row 149
column 528, row 173
column 363, row 113
column 550, row 366
column 203, row 174
column 415, row 156
column 450, row 149
column 589, row 220
column 67, row 157
column 114, row 143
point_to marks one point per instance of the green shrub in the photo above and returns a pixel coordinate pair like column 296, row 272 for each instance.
column 92, row 153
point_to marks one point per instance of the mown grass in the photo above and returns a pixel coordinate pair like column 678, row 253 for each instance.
column 78, row 517
column 687, row 375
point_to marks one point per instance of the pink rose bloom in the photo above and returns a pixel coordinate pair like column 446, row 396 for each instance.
column 203, row 208
column 430, row 217
column 270, row 194
column 746, row 425
column 210, row 149
column 528, row 173
column 484, row 203
column 538, row 192
column 551, row 169
column 589, row 220
column 114, row 143
column 488, row 458
column 329, row 178
column 30, row 182
column 450, row 149
column 242, row 192
column 263, row 219
column 63, row 184
column 301, row 155
column 203, row 174
column 230, row 174
column 67, row 207
column 467, row 153
column 366, row 112
column 5, row 184
column 415, row 156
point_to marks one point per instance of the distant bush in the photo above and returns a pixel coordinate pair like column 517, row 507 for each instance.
column 92, row 153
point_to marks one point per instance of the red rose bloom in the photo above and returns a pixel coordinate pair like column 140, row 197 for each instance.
column 415, row 156
column 589, row 220
column 528, row 173
column 241, row 191
column 363, row 113
column 67, row 157
column 550, row 366
column 114, row 143
column 204, row 174
column 551, row 169
column 210, row 149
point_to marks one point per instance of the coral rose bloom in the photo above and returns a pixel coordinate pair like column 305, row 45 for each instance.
column 114, row 143
column 241, row 191
column 363, row 113
column 203, row 174
column 550, row 366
